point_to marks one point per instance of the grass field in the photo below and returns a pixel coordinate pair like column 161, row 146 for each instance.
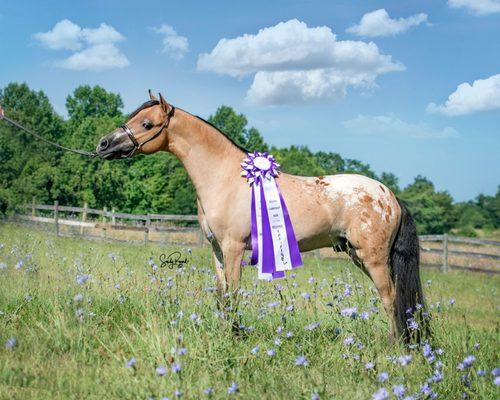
column 84, row 320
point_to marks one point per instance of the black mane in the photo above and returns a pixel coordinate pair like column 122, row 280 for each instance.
column 147, row 104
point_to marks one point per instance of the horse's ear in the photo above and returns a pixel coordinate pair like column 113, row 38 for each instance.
column 152, row 96
column 164, row 104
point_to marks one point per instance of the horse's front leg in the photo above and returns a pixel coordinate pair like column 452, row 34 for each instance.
column 232, row 255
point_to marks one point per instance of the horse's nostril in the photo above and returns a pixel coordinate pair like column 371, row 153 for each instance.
column 104, row 144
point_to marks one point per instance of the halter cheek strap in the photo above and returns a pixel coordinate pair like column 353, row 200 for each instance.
column 137, row 146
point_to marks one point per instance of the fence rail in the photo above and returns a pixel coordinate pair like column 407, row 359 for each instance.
column 107, row 220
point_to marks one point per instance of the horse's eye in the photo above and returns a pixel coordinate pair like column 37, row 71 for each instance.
column 147, row 124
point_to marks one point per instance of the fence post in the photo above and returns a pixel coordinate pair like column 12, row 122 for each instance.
column 201, row 238
column 33, row 209
column 104, row 221
column 84, row 215
column 146, row 232
column 445, row 253
column 56, row 216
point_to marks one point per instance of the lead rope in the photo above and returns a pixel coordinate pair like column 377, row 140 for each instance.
column 18, row 125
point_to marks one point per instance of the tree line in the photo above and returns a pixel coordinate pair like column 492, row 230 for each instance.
column 158, row 183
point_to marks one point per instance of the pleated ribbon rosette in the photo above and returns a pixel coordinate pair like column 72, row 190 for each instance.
column 274, row 246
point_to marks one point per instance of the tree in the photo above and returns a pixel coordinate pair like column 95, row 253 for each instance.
column 27, row 163
column 433, row 211
column 94, row 101
column 298, row 160
column 332, row 163
column 232, row 124
column 391, row 181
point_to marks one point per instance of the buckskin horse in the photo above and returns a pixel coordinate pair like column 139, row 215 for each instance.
column 358, row 214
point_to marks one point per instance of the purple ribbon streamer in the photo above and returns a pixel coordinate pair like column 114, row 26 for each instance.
column 268, row 261
column 255, row 240
column 293, row 246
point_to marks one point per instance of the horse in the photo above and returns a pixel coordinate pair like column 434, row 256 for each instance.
column 355, row 213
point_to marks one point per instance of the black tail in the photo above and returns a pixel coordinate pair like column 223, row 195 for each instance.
column 411, row 318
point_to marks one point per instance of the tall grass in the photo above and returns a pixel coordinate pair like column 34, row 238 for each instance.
column 82, row 319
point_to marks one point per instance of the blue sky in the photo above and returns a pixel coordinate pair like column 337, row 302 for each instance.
column 408, row 87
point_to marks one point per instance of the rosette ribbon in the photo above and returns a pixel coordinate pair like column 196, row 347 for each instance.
column 274, row 246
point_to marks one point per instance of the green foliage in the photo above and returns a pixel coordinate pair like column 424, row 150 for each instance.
column 159, row 183
column 433, row 211
column 391, row 181
column 94, row 101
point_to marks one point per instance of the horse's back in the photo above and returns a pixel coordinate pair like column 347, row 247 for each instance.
column 341, row 205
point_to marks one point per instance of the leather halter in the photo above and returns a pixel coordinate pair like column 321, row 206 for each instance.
column 137, row 146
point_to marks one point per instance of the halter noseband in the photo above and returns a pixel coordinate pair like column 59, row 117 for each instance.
column 130, row 133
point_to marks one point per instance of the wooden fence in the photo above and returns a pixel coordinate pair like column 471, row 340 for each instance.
column 442, row 246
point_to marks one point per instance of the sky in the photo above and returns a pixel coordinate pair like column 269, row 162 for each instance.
column 410, row 87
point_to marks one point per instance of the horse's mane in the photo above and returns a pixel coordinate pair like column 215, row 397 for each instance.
column 152, row 103
column 147, row 104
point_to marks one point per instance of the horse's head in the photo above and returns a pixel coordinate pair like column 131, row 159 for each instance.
column 145, row 131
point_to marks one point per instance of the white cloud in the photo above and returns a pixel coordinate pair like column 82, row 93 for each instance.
column 65, row 35
column 379, row 23
column 105, row 34
column 478, row 7
column 482, row 95
column 174, row 45
column 98, row 48
column 294, row 63
column 96, row 58
column 390, row 125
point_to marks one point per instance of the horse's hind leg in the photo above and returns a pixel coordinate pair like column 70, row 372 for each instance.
column 380, row 274
column 376, row 265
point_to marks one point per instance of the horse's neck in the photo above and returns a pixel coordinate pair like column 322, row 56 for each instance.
column 210, row 159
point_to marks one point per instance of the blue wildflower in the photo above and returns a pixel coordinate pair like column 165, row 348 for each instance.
column 412, row 324
column 380, row 394
column 350, row 312
column 315, row 396
column 398, row 390
column 495, row 372
column 496, row 381
column 312, row 326
column 348, row 341
column 233, row 388
column 306, row 295
column 301, row 360
column 78, row 297
column 369, row 365
column 130, row 363
column 10, row 343
column 383, row 376
column 176, row 368
column 161, row 370
column 271, row 352
column 208, row 391
column 405, row 359
column 81, row 279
